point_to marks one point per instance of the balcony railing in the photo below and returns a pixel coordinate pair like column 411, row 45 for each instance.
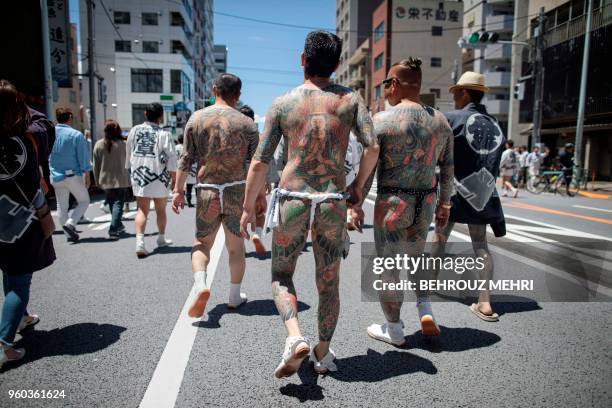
column 498, row 107
column 498, row 51
column 575, row 28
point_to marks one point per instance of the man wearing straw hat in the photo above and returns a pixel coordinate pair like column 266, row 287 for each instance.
column 478, row 147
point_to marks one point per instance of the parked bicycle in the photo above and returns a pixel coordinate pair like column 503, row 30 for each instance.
column 554, row 181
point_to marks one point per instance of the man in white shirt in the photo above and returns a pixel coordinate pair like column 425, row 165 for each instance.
column 508, row 168
column 151, row 158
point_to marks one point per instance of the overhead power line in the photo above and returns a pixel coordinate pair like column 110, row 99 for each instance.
column 288, row 25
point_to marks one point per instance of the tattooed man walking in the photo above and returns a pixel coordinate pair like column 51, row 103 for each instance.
column 221, row 141
column 413, row 139
column 315, row 120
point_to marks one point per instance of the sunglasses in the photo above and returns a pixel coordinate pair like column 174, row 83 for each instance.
column 389, row 81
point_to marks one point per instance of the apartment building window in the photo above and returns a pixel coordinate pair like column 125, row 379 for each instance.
column 436, row 31
column 150, row 19
column 435, row 91
column 379, row 32
column 378, row 62
column 175, row 81
column 138, row 116
column 123, row 46
column 377, row 93
column 147, row 80
column 436, row 62
column 121, row 17
column 151, row 47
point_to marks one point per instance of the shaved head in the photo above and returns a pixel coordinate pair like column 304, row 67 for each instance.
column 404, row 81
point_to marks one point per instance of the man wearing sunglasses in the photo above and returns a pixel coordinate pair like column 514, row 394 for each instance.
column 413, row 140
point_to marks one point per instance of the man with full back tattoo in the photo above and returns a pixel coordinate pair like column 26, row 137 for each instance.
column 413, row 139
column 221, row 140
column 315, row 120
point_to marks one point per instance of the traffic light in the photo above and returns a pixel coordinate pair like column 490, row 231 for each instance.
column 478, row 39
column 210, row 101
column 519, row 91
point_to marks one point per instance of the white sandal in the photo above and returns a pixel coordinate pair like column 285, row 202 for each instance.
column 296, row 350
column 326, row 364
column 25, row 323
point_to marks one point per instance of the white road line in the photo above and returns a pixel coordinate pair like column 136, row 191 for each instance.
column 592, row 208
column 99, row 227
column 574, row 232
column 166, row 382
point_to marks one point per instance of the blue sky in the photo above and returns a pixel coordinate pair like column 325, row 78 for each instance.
column 267, row 57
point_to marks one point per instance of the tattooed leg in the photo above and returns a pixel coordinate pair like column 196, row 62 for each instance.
column 328, row 241
column 288, row 240
column 439, row 242
column 478, row 235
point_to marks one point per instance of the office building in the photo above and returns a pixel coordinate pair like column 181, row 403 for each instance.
column 220, row 52
column 353, row 26
column 150, row 52
column 420, row 28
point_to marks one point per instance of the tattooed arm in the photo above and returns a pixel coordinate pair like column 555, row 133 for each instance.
column 364, row 131
column 256, row 178
column 447, row 171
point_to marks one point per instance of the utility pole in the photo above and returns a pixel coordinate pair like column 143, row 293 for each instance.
column 538, row 95
column 455, row 74
column 90, row 71
column 578, row 165
column 44, row 16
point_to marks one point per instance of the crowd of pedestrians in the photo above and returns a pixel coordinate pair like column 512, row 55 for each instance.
column 308, row 172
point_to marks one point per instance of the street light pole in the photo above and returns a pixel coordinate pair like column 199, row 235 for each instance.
column 578, row 165
column 44, row 16
column 539, row 79
column 90, row 71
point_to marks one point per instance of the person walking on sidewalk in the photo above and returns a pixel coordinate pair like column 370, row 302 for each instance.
column 509, row 166
column 315, row 120
column 414, row 139
column 151, row 158
column 26, row 225
column 111, row 175
column 69, row 165
column 221, row 141
column 477, row 152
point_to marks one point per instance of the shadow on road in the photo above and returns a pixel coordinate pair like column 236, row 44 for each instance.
column 502, row 303
column 172, row 250
column 452, row 339
column 254, row 308
column 374, row 366
column 253, row 254
column 74, row 340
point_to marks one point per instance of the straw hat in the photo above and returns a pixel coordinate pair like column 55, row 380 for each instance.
column 470, row 80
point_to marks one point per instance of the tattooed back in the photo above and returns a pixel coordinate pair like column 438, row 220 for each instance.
column 316, row 124
column 221, row 141
column 413, row 140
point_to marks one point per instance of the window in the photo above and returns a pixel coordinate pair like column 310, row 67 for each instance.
column 436, row 31
column 378, row 62
column 147, row 80
column 377, row 93
column 435, row 91
column 138, row 116
column 150, row 47
column 379, row 31
column 186, row 86
column 123, row 46
column 150, row 19
column 436, row 62
column 176, row 19
column 122, row 17
column 175, row 81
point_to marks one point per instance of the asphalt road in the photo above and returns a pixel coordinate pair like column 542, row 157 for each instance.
column 108, row 320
